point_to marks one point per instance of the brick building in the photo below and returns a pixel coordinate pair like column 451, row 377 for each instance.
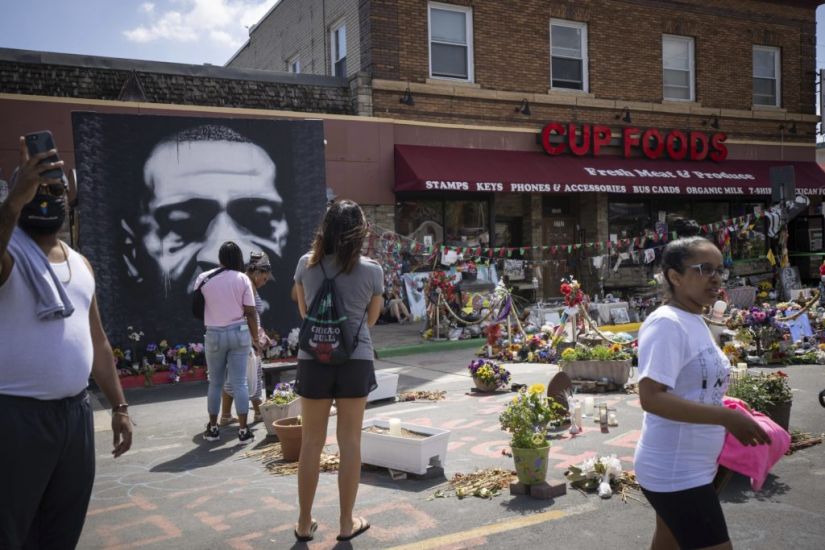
column 479, row 80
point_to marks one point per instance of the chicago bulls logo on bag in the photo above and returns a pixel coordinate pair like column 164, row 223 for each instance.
column 324, row 333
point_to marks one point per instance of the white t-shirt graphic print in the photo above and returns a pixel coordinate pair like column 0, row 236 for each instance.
column 677, row 349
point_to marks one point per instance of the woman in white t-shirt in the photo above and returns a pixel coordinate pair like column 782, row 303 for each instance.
column 683, row 376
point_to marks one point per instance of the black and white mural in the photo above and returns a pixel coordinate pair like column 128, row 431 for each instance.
column 158, row 195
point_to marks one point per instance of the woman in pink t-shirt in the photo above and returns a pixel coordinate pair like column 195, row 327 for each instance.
column 230, row 317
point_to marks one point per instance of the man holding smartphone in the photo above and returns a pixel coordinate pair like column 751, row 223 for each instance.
column 48, row 460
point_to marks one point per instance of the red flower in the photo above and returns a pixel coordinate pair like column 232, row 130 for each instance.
column 781, row 374
column 566, row 288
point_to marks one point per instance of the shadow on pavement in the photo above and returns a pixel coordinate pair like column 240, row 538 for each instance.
column 738, row 490
column 380, row 477
column 525, row 505
column 205, row 454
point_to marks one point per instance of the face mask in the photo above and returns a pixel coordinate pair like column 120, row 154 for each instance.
column 44, row 215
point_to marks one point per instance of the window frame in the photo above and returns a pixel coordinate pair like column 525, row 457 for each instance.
column 691, row 62
column 292, row 61
column 585, row 53
column 777, row 66
column 333, row 43
column 468, row 25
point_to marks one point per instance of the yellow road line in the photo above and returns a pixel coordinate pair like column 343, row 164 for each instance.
column 494, row 528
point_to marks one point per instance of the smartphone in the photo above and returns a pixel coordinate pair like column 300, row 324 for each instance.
column 39, row 142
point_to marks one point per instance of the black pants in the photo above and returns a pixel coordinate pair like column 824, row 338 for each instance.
column 47, row 467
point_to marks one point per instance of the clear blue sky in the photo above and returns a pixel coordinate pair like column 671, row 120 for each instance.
column 186, row 31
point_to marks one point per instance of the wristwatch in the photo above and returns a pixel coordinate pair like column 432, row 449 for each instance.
column 121, row 407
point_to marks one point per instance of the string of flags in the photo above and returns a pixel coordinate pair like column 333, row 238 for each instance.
column 387, row 241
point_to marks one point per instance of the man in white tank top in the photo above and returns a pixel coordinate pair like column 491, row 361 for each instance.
column 48, row 462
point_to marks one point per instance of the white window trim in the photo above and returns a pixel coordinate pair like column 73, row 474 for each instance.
column 585, row 60
column 777, row 67
column 295, row 59
column 692, row 63
column 332, row 44
column 468, row 19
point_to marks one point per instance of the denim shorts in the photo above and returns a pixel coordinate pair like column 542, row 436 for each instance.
column 355, row 378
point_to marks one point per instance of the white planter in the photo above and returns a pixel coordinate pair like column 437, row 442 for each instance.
column 387, row 386
column 401, row 453
column 273, row 412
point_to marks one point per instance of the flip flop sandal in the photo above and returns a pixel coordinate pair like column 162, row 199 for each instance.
column 364, row 526
column 306, row 538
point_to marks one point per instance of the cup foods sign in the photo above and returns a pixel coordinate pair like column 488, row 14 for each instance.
column 584, row 139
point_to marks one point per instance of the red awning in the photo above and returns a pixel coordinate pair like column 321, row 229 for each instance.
column 422, row 168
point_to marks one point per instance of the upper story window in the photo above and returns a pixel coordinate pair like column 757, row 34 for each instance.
column 678, row 74
column 568, row 55
column 338, row 43
column 766, row 76
column 451, row 42
column 294, row 65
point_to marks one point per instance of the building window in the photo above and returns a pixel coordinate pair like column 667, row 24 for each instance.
column 568, row 51
column 627, row 220
column 677, row 68
column 766, row 71
column 294, row 65
column 451, row 42
column 338, row 43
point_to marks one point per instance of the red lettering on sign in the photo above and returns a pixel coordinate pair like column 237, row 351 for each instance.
column 545, row 138
column 698, row 146
column 631, row 139
column 720, row 150
column 652, row 151
column 575, row 148
column 670, row 145
column 601, row 137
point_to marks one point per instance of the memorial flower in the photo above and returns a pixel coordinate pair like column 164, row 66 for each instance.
column 489, row 373
column 528, row 415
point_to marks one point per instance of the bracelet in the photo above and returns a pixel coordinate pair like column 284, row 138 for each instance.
column 121, row 414
column 120, row 406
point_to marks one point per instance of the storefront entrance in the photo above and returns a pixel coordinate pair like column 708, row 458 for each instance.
column 556, row 231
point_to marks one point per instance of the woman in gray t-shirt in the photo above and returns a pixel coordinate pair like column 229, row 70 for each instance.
column 359, row 285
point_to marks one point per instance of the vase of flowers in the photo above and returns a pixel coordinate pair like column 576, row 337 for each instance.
column 527, row 418
column 283, row 403
column 769, row 394
column 488, row 376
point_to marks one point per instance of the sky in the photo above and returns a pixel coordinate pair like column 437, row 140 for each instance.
column 182, row 31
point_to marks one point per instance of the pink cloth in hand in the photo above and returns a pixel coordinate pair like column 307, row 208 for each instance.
column 754, row 462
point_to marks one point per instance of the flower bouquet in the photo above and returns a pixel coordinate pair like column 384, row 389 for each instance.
column 600, row 473
column 283, row 403
column 527, row 418
column 487, row 375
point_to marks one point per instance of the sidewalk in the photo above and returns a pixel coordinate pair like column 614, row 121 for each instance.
column 173, row 490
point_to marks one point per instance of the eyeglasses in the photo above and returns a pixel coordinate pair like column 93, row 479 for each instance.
column 707, row 270
column 53, row 189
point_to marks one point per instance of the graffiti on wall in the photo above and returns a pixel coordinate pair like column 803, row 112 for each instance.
column 158, row 195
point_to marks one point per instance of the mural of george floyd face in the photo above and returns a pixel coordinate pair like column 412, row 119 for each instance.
column 176, row 189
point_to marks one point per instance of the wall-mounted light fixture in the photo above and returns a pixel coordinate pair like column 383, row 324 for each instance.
column 407, row 98
column 624, row 115
column 524, row 108
column 791, row 130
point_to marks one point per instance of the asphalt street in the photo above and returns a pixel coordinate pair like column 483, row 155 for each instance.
column 174, row 490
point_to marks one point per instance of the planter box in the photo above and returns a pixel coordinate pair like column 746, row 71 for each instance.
column 273, row 412
column 401, row 453
column 163, row 377
column 617, row 372
column 387, row 386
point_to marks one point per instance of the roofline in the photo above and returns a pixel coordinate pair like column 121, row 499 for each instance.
column 254, row 27
column 165, row 67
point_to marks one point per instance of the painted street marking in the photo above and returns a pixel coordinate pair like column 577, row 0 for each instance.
column 147, row 450
column 112, row 538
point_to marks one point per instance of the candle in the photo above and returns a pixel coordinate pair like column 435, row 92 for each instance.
column 178, row 364
column 611, row 419
column 742, row 366
column 577, row 415
column 589, row 406
column 395, row 426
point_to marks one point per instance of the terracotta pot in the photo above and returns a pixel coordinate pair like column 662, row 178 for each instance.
column 781, row 414
column 531, row 464
column 483, row 386
column 289, row 433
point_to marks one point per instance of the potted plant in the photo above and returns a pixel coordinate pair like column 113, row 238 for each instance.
column 289, row 434
column 527, row 418
column 598, row 362
column 487, row 375
column 769, row 394
column 283, row 403
column 415, row 449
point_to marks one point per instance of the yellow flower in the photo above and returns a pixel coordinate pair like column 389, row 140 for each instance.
column 536, row 388
column 616, row 348
column 569, row 354
column 822, row 347
column 729, row 349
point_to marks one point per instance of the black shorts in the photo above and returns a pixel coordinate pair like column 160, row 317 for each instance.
column 694, row 516
column 355, row 378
